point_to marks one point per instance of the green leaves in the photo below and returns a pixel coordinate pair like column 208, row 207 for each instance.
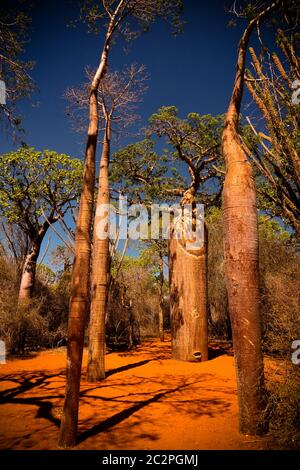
column 36, row 184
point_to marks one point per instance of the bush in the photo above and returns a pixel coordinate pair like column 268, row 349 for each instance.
column 42, row 324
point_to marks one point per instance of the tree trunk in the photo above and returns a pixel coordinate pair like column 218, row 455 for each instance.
column 241, row 257
column 188, row 302
column 161, row 299
column 100, row 267
column 28, row 274
column 80, row 287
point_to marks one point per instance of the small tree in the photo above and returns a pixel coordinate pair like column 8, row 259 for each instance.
column 241, row 249
column 194, row 148
column 14, row 72
column 36, row 190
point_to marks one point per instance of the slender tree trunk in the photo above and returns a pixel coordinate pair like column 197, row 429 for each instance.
column 100, row 267
column 188, row 302
column 28, row 273
column 241, row 258
column 80, row 286
column 161, row 299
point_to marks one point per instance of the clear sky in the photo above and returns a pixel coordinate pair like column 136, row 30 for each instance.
column 193, row 71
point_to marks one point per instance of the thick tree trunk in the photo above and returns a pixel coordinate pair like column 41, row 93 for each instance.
column 242, row 280
column 100, row 267
column 161, row 299
column 28, row 274
column 241, row 257
column 188, row 302
column 297, row 238
column 80, row 287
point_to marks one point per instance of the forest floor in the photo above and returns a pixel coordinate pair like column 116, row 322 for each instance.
column 148, row 401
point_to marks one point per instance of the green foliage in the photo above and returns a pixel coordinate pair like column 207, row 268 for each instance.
column 34, row 184
column 188, row 161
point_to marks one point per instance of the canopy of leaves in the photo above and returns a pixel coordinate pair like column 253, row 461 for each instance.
column 119, row 95
column 35, row 185
column 132, row 16
column 195, row 142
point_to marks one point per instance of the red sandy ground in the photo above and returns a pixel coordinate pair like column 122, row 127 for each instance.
column 148, row 401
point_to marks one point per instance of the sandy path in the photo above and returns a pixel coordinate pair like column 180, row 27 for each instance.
column 148, row 401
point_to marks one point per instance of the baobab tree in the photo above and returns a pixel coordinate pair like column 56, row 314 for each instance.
column 241, row 252
column 119, row 17
column 275, row 152
column 36, row 189
column 194, row 146
column 195, row 142
column 119, row 95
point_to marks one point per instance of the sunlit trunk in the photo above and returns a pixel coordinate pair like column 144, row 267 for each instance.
column 100, row 267
column 80, row 286
column 242, row 280
column 28, row 274
column 161, row 299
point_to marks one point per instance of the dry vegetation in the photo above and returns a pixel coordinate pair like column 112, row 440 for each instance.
column 133, row 317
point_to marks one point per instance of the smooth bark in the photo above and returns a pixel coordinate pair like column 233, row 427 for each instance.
column 241, row 257
column 100, row 268
column 161, row 299
column 188, row 301
column 28, row 274
column 80, row 286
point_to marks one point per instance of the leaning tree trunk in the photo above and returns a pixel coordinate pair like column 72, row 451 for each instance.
column 100, row 267
column 188, row 301
column 80, row 287
column 241, row 258
column 28, row 274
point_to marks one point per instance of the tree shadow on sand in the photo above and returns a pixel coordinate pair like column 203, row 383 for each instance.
column 177, row 393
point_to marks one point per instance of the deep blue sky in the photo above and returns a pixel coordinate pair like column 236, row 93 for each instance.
column 193, row 71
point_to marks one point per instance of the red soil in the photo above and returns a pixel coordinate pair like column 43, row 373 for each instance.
column 148, row 401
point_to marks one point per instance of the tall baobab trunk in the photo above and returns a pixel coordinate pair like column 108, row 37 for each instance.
column 241, row 257
column 188, row 301
column 80, row 287
column 28, row 273
column 100, row 267
column 161, row 298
